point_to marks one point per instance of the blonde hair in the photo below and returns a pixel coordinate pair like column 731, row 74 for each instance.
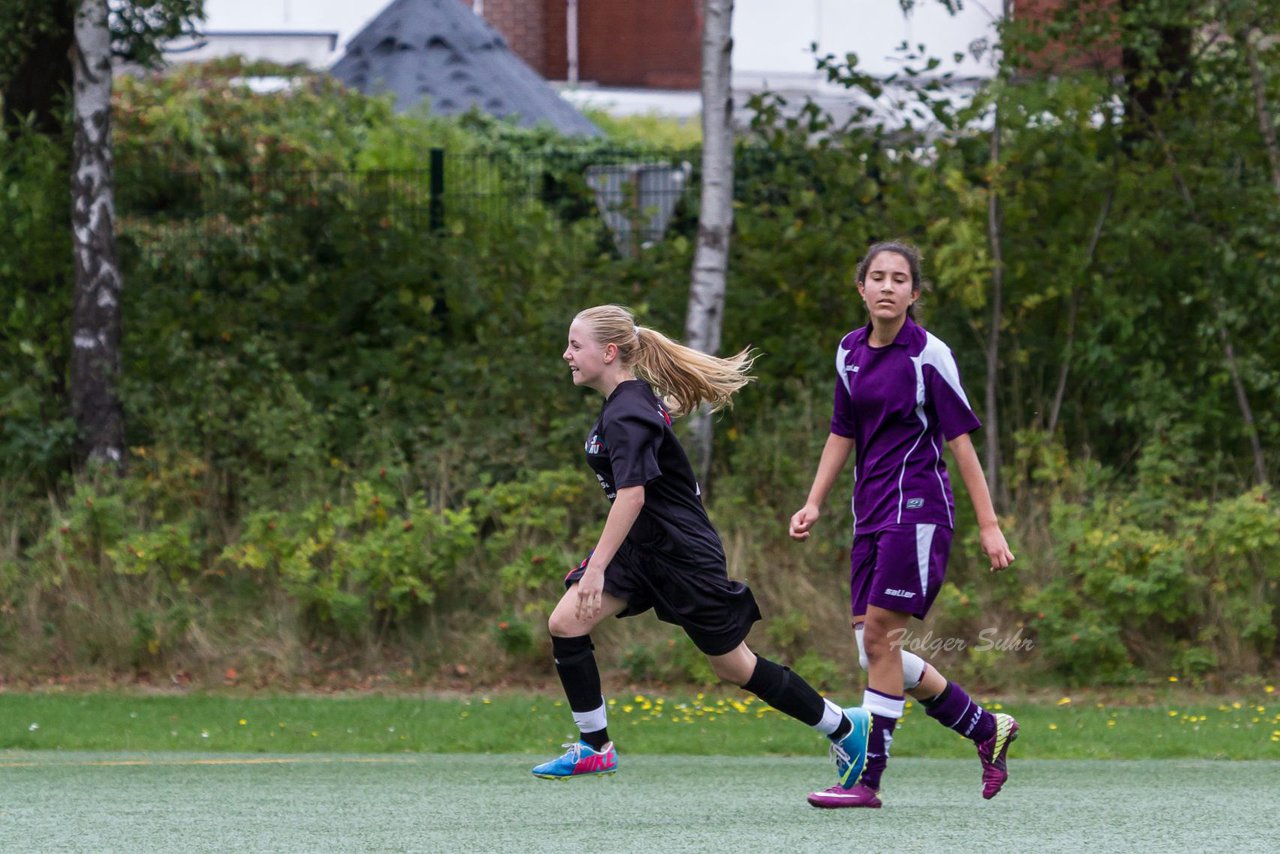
column 686, row 378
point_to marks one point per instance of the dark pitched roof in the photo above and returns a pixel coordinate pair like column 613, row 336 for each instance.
column 441, row 51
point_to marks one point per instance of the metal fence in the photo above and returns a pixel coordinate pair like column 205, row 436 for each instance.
column 624, row 199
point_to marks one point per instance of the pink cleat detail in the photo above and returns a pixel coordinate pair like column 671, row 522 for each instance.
column 838, row 797
column 579, row 760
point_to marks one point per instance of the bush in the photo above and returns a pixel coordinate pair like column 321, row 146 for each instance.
column 361, row 567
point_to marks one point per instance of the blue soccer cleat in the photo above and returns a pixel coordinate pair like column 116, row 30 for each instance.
column 850, row 752
column 580, row 760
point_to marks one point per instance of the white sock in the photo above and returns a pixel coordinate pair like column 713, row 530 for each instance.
column 592, row 721
column 832, row 715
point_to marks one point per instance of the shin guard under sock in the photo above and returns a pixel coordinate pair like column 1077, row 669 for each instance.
column 885, row 711
column 580, row 676
column 786, row 692
column 955, row 709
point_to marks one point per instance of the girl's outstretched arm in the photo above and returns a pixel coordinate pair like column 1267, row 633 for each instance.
column 989, row 534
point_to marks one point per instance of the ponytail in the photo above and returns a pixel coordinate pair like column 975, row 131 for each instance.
column 686, row 378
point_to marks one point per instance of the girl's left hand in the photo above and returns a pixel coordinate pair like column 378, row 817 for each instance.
column 995, row 547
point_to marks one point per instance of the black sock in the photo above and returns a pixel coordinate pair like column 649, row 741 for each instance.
column 937, row 698
column 576, row 664
column 597, row 739
column 846, row 727
column 786, row 692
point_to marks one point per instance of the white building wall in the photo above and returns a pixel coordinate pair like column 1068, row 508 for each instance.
column 771, row 37
column 315, row 50
column 772, row 41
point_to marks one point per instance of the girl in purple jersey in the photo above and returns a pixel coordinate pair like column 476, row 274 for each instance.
column 898, row 400
column 658, row 549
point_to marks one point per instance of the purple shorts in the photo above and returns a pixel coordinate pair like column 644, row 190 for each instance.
column 899, row 568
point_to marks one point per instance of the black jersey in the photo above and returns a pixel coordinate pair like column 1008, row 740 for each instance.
column 633, row 444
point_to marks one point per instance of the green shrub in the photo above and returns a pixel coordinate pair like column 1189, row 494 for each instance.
column 358, row 567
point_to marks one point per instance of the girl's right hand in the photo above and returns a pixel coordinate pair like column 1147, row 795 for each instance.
column 590, row 595
column 803, row 520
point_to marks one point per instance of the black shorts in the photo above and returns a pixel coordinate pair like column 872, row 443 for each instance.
column 714, row 611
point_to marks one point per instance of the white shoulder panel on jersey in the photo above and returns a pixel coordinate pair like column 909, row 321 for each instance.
column 938, row 355
column 842, row 368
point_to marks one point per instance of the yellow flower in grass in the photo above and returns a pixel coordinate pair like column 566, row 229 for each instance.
column 1053, row 726
column 1065, row 701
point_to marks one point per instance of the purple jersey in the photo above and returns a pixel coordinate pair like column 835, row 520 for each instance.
column 899, row 404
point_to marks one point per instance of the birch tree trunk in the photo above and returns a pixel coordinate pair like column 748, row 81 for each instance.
column 1224, row 334
column 1073, row 313
column 705, row 314
column 995, row 237
column 1265, row 123
column 95, row 315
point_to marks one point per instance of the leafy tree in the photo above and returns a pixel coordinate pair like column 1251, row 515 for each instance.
column 53, row 47
column 36, row 38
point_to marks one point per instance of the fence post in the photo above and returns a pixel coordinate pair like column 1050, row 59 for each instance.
column 436, row 209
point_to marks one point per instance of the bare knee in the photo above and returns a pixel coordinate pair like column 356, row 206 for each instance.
column 564, row 623
column 878, row 646
column 558, row 627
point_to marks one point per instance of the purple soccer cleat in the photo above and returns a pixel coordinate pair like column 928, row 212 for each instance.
column 994, row 752
column 838, row 797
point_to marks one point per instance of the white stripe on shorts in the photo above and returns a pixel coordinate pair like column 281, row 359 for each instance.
column 924, row 546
